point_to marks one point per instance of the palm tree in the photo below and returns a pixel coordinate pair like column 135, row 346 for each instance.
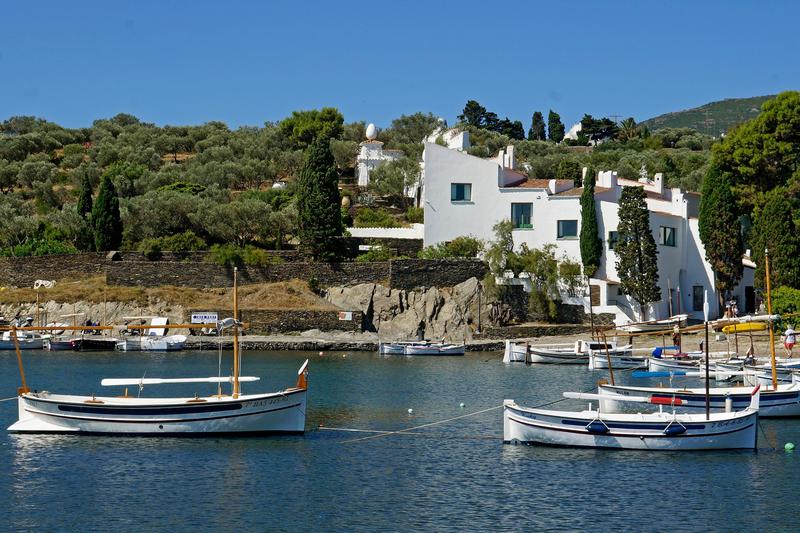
column 628, row 130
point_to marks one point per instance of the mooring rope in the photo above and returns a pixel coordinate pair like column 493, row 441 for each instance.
column 9, row 399
column 766, row 437
column 429, row 424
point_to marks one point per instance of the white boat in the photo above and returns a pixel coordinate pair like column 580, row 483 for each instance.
column 234, row 413
column 27, row 341
column 169, row 343
column 273, row 412
column 60, row 343
column 434, row 348
column 562, row 354
column 598, row 360
column 783, row 402
column 654, row 325
column 664, row 431
column 396, row 348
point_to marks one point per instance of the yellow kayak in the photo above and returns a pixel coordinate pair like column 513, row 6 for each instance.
column 744, row 327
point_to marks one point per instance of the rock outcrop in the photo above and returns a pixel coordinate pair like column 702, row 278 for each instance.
column 435, row 313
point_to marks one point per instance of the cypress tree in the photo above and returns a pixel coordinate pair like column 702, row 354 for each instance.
column 319, row 215
column 591, row 245
column 105, row 217
column 720, row 233
column 637, row 265
column 775, row 229
column 555, row 129
column 537, row 133
column 85, row 198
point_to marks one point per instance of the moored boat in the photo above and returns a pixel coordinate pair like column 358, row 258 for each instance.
column 662, row 431
column 598, row 360
column 563, row 354
column 783, row 402
column 434, row 348
column 27, row 341
column 654, row 325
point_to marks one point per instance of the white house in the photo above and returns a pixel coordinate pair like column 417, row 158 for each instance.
column 371, row 154
column 467, row 195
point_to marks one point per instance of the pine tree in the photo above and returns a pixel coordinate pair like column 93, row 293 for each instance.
column 591, row 245
column 775, row 229
column 720, row 233
column 105, row 217
column 637, row 265
column 320, row 220
column 537, row 133
column 85, row 198
column 555, row 129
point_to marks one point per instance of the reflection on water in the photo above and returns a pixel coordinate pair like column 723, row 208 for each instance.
column 456, row 476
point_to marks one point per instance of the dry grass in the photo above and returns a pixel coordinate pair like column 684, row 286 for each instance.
column 283, row 295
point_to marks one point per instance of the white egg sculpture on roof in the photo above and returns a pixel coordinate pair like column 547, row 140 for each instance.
column 372, row 132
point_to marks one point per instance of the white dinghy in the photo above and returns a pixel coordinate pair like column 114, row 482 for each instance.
column 560, row 354
column 234, row 413
column 663, row 431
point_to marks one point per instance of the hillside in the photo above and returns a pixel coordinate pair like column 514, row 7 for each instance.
column 714, row 118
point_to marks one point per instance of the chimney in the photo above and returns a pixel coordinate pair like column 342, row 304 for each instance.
column 511, row 160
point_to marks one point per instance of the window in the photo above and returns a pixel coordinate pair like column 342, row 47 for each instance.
column 460, row 192
column 698, row 296
column 521, row 216
column 613, row 238
column 666, row 236
column 567, row 229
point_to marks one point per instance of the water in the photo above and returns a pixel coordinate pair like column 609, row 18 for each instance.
column 451, row 477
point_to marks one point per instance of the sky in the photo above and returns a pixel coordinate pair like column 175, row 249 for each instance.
column 248, row 62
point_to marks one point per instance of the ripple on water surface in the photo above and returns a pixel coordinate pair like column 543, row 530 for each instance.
column 456, row 476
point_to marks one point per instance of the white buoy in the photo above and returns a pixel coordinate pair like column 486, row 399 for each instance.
column 322, row 353
column 410, row 411
column 461, row 405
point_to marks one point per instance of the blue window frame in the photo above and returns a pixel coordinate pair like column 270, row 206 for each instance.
column 460, row 192
column 521, row 216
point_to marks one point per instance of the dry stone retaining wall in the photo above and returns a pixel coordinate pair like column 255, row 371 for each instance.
column 268, row 321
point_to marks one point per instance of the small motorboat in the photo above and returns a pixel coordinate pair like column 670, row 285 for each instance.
column 434, row 348
column 27, row 341
column 660, row 430
column 168, row 343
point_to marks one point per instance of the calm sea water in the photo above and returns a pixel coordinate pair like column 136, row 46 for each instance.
column 451, row 477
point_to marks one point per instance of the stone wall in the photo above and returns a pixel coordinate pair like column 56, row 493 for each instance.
column 198, row 274
column 23, row 271
column 268, row 321
column 282, row 256
column 407, row 247
column 408, row 274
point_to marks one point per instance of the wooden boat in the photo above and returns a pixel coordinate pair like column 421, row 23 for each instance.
column 396, row 348
column 234, row 413
column 563, row 354
column 783, row 402
column 94, row 344
column 663, row 431
column 744, row 327
column 598, row 360
column 274, row 412
column 654, row 325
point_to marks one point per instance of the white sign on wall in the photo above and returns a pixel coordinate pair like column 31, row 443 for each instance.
column 345, row 315
column 204, row 317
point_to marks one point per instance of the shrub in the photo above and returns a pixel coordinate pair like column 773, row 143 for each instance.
column 182, row 186
column 415, row 215
column 464, row 246
column 367, row 217
column 313, row 284
column 376, row 253
column 785, row 300
column 43, row 246
column 232, row 255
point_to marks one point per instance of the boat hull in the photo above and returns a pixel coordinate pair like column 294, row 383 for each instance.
column 599, row 361
column 24, row 344
column 86, row 344
column 171, row 343
column 435, row 350
column 281, row 412
column 785, row 402
column 629, row 431
column 557, row 357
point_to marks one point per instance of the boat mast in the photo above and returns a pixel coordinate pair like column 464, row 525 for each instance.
column 235, row 334
column 771, row 332
column 24, row 388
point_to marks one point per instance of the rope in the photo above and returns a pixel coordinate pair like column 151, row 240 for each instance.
column 423, row 425
column 9, row 399
column 766, row 437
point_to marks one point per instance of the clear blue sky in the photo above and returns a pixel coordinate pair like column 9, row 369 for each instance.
column 249, row 62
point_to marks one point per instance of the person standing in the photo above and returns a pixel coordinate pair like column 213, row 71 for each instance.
column 789, row 338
